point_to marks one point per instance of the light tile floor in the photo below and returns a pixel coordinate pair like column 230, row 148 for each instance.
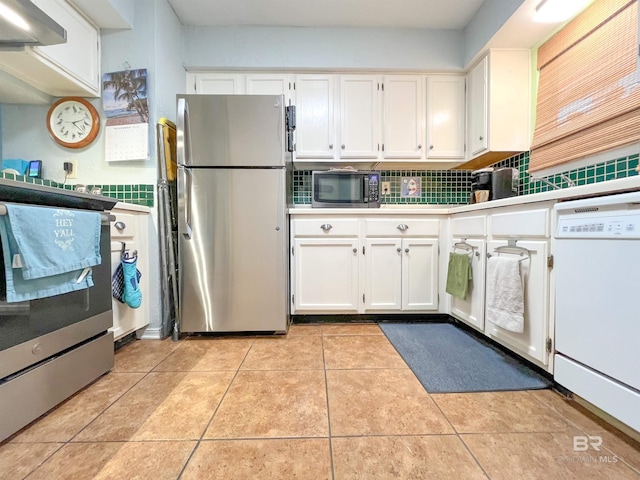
column 324, row 402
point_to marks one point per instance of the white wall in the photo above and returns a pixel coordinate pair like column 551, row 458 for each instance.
column 491, row 16
column 313, row 48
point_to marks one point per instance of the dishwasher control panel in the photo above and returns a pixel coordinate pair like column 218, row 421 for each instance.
column 612, row 224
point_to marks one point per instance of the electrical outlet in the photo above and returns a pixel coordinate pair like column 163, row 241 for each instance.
column 386, row 188
column 73, row 173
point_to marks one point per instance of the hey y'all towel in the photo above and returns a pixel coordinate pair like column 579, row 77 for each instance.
column 50, row 241
column 48, row 251
column 505, row 296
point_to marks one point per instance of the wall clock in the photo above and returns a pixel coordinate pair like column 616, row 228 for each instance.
column 73, row 122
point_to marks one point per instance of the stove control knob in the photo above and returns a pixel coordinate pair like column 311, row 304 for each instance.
column 36, row 349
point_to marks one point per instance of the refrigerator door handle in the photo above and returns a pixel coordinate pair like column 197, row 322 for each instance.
column 186, row 188
column 182, row 135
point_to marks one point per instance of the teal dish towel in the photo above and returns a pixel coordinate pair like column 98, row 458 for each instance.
column 48, row 251
column 458, row 275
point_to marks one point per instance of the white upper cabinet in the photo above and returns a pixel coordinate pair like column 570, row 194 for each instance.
column 71, row 68
column 270, row 84
column 215, row 83
column 445, row 117
column 404, row 118
column 478, row 107
column 499, row 105
column 359, row 116
column 315, row 127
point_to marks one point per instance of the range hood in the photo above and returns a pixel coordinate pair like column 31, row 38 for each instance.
column 23, row 24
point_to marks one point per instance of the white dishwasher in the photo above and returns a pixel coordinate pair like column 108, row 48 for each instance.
column 597, row 281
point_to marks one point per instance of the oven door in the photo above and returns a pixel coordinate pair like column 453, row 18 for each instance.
column 33, row 331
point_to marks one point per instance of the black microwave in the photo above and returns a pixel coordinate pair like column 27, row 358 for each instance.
column 345, row 189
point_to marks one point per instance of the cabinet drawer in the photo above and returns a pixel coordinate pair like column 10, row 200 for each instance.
column 334, row 227
column 128, row 223
column 529, row 223
column 469, row 226
column 401, row 226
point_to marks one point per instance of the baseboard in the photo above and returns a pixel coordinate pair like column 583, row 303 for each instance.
column 151, row 333
column 372, row 318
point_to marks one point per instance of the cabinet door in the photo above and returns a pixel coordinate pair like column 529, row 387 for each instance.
column 326, row 275
column 419, row 274
column 478, row 107
column 79, row 56
column 359, row 116
column 215, row 83
column 404, row 121
column 535, row 276
column 445, row 117
column 270, row 84
column 471, row 309
column 383, row 274
column 315, row 131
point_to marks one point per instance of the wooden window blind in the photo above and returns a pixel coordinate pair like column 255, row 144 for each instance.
column 589, row 86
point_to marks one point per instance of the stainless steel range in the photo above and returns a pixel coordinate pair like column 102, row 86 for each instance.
column 52, row 347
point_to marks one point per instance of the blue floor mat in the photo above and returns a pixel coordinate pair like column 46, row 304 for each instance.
column 446, row 359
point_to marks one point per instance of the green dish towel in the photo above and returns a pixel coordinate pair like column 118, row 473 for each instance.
column 459, row 275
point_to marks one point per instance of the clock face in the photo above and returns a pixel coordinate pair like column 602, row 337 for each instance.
column 73, row 122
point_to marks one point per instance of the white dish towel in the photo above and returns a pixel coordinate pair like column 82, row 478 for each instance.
column 505, row 296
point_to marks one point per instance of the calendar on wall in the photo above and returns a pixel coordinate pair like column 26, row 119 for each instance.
column 127, row 109
column 127, row 142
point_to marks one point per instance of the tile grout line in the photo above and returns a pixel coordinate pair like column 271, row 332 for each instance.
column 201, row 439
column 70, row 440
column 326, row 387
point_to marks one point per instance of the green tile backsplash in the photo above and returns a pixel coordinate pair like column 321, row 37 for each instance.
column 141, row 194
column 453, row 187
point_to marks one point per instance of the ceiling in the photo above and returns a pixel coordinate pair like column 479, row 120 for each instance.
column 423, row 14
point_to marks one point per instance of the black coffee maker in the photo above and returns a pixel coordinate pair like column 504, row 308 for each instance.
column 481, row 185
column 493, row 184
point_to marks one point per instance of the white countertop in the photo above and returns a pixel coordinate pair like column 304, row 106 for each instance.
column 591, row 190
column 131, row 207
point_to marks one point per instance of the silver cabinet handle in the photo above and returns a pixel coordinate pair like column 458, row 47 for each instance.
column 481, row 138
column 331, row 146
column 402, row 227
column 326, row 227
column 120, row 225
column 342, row 146
column 398, row 249
column 355, row 250
column 430, row 147
column 406, row 250
column 419, row 147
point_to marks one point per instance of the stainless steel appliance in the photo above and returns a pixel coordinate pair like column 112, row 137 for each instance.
column 481, row 182
column 234, row 182
column 32, row 27
column 52, row 347
column 597, row 324
column 504, row 183
column 345, row 189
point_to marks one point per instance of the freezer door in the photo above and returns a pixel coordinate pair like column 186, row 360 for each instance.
column 233, row 256
column 231, row 130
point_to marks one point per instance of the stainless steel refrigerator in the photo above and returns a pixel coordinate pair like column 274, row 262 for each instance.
column 234, row 174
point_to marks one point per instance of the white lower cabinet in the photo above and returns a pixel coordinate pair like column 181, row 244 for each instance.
column 401, row 274
column 534, row 271
column 365, row 264
column 131, row 228
column 471, row 309
column 326, row 275
column 484, row 233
